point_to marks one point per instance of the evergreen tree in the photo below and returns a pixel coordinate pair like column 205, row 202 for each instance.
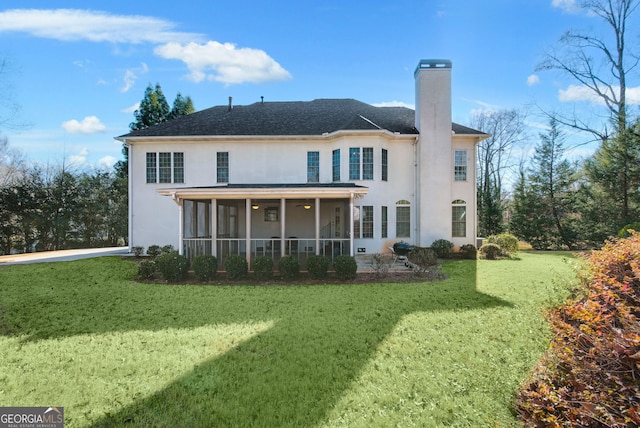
column 181, row 106
column 614, row 170
column 153, row 109
column 543, row 211
column 552, row 179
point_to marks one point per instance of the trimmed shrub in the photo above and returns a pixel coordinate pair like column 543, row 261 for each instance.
column 205, row 267
column 172, row 266
column 289, row 267
column 468, row 251
column 154, row 250
column 442, row 248
column 318, row 265
column 146, row 269
column 589, row 376
column 137, row 251
column 507, row 242
column 490, row 251
column 345, row 266
column 236, row 267
column 423, row 257
column 263, row 268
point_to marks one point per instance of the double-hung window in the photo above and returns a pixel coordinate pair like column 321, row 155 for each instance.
column 222, row 167
column 459, row 218
column 152, row 165
column 385, row 165
column 367, row 163
column 460, row 165
column 313, row 167
column 354, row 163
column 367, row 222
column 335, row 168
column 403, row 219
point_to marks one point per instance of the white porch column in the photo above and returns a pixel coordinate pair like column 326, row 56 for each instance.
column 283, row 223
column 248, row 230
column 317, row 221
column 214, row 227
column 180, row 227
column 350, row 219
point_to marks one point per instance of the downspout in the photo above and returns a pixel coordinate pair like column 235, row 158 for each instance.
column 129, row 188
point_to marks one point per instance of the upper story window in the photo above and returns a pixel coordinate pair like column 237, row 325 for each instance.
column 460, row 165
column 361, row 163
column 354, row 163
column 313, row 167
column 335, row 168
column 165, row 167
column 367, row 163
column 385, row 165
column 152, row 167
column 222, row 167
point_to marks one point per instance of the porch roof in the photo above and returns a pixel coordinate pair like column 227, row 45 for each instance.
column 267, row 191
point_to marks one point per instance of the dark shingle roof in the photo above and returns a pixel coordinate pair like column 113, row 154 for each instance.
column 290, row 118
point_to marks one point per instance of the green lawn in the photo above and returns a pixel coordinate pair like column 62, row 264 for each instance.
column 84, row 335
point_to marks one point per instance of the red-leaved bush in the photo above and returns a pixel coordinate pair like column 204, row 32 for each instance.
column 590, row 376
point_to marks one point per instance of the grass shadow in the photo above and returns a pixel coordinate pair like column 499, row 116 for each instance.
column 290, row 375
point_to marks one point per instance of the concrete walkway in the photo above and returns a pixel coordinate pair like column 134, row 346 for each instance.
column 61, row 255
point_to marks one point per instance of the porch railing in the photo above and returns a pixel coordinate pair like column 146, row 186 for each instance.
column 270, row 247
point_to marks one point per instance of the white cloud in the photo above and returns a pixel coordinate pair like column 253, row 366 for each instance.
column 80, row 158
column 394, row 103
column 131, row 75
column 95, row 26
column 107, row 162
column 533, row 80
column 569, row 6
column 224, row 63
column 131, row 109
column 575, row 93
column 89, row 125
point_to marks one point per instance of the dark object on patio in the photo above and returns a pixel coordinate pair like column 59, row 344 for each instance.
column 401, row 250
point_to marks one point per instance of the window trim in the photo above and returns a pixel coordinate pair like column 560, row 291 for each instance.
column 403, row 205
column 456, row 221
column 335, row 165
column 459, row 168
column 313, row 167
column 222, row 167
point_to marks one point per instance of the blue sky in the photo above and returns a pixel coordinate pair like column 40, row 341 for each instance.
column 77, row 69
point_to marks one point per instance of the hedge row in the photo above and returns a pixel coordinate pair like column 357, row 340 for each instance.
column 590, row 376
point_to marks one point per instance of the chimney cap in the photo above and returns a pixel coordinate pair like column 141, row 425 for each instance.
column 432, row 63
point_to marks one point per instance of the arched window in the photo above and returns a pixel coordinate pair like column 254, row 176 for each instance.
column 458, row 218
column 403, row 219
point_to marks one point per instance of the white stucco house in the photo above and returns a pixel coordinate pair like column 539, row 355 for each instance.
column 328, row 176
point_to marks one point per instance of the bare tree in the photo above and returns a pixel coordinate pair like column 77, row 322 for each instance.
column 602, row 64
column 599, row 64
column 506, row 128
column 12, row 164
